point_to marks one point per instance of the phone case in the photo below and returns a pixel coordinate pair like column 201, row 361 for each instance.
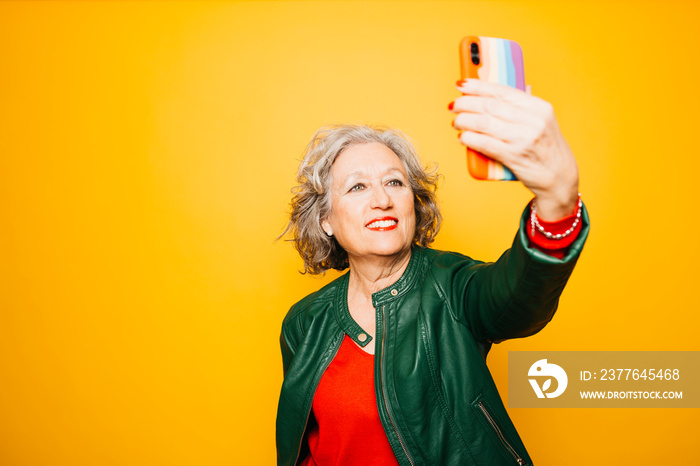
column 499, row 61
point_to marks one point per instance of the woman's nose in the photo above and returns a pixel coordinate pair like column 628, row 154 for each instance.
column 380, row 198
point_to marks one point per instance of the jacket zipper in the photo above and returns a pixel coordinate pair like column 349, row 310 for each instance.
column 308, row 412
column 386, row 405
column 505, row 443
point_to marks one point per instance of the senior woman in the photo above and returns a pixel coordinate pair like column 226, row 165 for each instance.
column 387, row 364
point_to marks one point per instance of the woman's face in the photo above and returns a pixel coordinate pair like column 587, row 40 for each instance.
column 372, row 211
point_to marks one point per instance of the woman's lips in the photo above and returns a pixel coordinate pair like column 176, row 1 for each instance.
column 383, row 224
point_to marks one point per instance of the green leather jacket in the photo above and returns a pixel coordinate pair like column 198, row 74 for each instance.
column 436, row 398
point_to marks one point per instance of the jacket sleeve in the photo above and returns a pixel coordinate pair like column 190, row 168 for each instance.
column 517, row 295
column 287, row 345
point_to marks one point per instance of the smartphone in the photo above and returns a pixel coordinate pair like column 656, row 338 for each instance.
column 499, row 61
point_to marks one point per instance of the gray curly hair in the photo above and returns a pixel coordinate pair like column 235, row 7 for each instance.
column 311, row 201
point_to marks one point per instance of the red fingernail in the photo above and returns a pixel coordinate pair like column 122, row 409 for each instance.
column 450, row 106
column 459, row 135
column 461, row 82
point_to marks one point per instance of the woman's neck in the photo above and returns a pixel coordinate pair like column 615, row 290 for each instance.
column 369, row 274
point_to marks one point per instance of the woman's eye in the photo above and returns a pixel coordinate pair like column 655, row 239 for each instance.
column 395, row 183
column 357, row 187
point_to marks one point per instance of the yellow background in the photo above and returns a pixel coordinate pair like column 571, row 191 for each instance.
column 147, row 150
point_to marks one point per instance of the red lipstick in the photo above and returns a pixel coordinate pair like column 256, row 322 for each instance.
column 382, row 223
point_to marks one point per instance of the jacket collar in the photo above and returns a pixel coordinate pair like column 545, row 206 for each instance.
column 380, row 298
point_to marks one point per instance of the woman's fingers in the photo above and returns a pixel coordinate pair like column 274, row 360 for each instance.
column 505, row 94
column 489, row 106
column 488, row 89
column 489, row 125
column 487, row 145
column 521, row 131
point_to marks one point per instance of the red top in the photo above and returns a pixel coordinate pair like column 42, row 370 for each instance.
column 348, row 431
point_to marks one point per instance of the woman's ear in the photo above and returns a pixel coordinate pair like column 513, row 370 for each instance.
column 326, row 225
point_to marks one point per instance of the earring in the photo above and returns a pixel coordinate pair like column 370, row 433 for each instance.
column 329, row 233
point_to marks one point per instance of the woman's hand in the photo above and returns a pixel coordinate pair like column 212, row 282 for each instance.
column 520, row 131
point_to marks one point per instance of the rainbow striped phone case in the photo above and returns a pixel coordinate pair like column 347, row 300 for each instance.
column 499, row 61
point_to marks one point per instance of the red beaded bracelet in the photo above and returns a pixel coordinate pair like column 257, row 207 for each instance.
column 535, row 223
